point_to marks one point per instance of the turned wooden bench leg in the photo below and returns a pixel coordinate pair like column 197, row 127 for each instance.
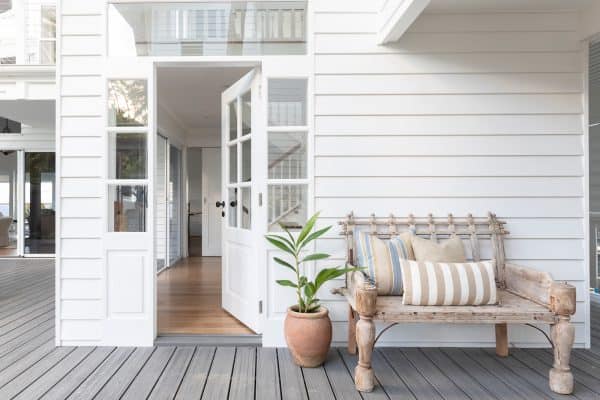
column 351, row 330
column 364, row 378
column 563, row 336
column 562, row 333
column 502, row 340
column 366, row 307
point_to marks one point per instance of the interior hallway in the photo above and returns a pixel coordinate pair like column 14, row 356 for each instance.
column 189, row 300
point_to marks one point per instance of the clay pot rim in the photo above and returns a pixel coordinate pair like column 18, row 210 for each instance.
column 321, row 313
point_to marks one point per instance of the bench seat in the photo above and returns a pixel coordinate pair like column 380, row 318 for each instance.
column 512, row 309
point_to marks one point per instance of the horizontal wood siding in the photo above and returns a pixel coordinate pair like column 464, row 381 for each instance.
column 80, row 81
column 463, row 114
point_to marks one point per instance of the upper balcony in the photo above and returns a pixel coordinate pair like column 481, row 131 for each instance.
column 217, row 28
column 27, row 32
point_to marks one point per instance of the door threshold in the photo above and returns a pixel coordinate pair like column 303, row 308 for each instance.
column 208, row 340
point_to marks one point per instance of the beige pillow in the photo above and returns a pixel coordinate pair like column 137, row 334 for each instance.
column 448, row 284
column 452, row 250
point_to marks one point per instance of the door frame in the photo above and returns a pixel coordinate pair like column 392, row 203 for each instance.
column 218, row 62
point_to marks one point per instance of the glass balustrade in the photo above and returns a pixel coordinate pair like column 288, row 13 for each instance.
column 207, row 28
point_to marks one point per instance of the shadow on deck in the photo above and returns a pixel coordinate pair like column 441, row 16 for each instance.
column 31, row 367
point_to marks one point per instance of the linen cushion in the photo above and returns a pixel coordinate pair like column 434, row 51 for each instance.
column 382, row 260
column 448, row 284
column 451, row 250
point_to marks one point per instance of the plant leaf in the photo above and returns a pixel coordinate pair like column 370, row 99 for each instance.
column 284, row 263
column 309, row 290
column 276, row 241
column 307, row 228
column 303, row 281
column 285, row 282
column 316, row 256
column 313, row 236
column 327, row 274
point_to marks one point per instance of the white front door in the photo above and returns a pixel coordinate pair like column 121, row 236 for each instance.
column 211, row 196
column 243, row 227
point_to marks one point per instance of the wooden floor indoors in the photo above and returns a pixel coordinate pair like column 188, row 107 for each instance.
column 31, row 367
column 189, row 300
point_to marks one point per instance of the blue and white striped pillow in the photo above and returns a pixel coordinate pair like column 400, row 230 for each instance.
column 382, row 260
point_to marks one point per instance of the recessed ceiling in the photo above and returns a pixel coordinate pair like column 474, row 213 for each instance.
column 506, row 5
column 193, row 95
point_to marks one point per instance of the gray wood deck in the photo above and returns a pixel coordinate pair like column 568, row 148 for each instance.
column 31, row 367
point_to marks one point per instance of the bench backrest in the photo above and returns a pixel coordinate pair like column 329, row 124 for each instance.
column 475, row 232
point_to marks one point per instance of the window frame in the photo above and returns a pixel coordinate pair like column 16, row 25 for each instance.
column 113, row 182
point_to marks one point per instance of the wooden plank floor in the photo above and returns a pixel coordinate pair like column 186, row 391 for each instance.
column 31, row 367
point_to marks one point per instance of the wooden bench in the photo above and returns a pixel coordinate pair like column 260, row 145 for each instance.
column 526, row 296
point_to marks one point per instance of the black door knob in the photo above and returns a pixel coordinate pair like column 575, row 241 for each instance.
column 233, row 203
column 221, row 204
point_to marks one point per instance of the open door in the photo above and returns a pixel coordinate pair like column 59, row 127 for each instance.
column 242, row 177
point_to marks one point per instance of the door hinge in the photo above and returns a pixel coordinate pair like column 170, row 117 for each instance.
column 260, row 307
column 260, row 199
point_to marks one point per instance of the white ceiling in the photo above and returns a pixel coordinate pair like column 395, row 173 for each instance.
column 35, row 113
column 483, row 5
column 193, row 95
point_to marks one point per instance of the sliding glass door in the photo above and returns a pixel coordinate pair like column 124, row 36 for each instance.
column 161, row 210
column 9, row 189
column 169, row 206
column 40, row 203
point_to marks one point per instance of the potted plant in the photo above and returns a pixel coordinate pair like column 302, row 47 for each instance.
column 307, row 325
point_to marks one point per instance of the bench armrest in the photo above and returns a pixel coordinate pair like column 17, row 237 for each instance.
column 538, row 286
column 360, row 293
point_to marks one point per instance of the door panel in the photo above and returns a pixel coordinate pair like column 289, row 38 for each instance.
column 211, row 195
column 242, row 135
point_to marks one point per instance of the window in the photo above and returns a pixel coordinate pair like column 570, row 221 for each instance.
column 239, row 157
column 127, row 155
column 288, row 161
column 48, row 35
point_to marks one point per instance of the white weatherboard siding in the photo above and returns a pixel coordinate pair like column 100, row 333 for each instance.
column 80, row 276
column 465, row 113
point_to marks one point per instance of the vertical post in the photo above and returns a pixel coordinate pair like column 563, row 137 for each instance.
column 352, row 348
column 502, row 340
column 562, row 333
column 366, row 301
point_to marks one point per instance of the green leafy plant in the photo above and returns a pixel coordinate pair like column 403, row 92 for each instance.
column 306, row 290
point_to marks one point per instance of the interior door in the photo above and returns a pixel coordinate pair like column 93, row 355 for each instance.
column 242, row 137
column 211, row 198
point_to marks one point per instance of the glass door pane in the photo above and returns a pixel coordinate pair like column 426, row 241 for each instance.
column 40, row 195
column 160, row 214
column 8, row 204
column 174, row 204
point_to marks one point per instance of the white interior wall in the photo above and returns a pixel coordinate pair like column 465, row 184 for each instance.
column 465, row 113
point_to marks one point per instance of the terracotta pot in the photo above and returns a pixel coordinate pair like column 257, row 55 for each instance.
column 308, row 336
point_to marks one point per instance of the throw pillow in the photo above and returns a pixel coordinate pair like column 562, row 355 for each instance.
column 451, row 250
column 382, row 260
column 448, row 284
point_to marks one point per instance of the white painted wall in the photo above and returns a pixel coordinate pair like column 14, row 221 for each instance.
column 81, row 284
column 463, row 114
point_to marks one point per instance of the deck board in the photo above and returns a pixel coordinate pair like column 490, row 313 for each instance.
column 32, row 367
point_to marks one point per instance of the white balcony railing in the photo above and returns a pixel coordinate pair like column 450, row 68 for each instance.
column 205, row 28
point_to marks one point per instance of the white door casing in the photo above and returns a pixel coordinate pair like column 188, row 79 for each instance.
column 243, row 185
column 211, row 194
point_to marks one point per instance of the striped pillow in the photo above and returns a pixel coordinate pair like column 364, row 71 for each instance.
column 448, row 284
column 382, row 260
